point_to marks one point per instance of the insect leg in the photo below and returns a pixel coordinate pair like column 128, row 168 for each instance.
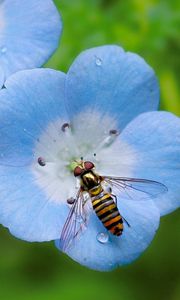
column 126, row 221
column 115, row 197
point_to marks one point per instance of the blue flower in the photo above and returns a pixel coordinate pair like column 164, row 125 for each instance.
column 104, row 110
column 29, row 34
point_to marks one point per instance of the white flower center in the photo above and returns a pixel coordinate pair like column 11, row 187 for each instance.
column 90, row 136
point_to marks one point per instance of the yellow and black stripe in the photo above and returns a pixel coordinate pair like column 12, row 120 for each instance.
column 103, row 203
column 107, row 211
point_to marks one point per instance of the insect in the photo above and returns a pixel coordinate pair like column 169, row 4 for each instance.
column 104, row 202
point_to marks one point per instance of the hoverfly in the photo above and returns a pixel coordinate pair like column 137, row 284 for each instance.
column 104, row 203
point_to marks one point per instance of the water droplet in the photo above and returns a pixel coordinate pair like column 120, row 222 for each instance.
column 110, row 264
column 102, row 237
column 3, row 49
column 98, row 62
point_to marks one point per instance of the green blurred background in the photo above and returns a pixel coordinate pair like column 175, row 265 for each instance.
column 39, row 271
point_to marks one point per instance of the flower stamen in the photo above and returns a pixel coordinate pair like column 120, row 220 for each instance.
column 71, row 200
column 41, row 161
column 114, row 132
column 108, row 141
column 65, row 126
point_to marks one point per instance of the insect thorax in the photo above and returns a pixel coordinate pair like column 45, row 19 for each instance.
column 89, row 180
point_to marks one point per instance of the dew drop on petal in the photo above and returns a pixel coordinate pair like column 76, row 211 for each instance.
column 102, row 237
column 98, row 62
column 110, row 264
column 3, row 49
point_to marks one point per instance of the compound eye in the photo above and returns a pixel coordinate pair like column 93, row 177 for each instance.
column 78, row 171
column 88, row 165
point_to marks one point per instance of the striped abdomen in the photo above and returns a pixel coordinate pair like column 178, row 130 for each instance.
column 107, row 211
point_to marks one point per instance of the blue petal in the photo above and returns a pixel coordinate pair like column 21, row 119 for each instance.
column 110, row 80
column 29, row 33
column 143, row 217
column 30, row 101
column 155, row 138
column 1, row 77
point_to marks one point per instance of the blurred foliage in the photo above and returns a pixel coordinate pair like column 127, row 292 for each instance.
column 149, row 28
column 38, row 271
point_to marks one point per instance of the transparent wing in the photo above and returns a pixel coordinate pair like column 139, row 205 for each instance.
column 75, row 222
column 135, row 188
